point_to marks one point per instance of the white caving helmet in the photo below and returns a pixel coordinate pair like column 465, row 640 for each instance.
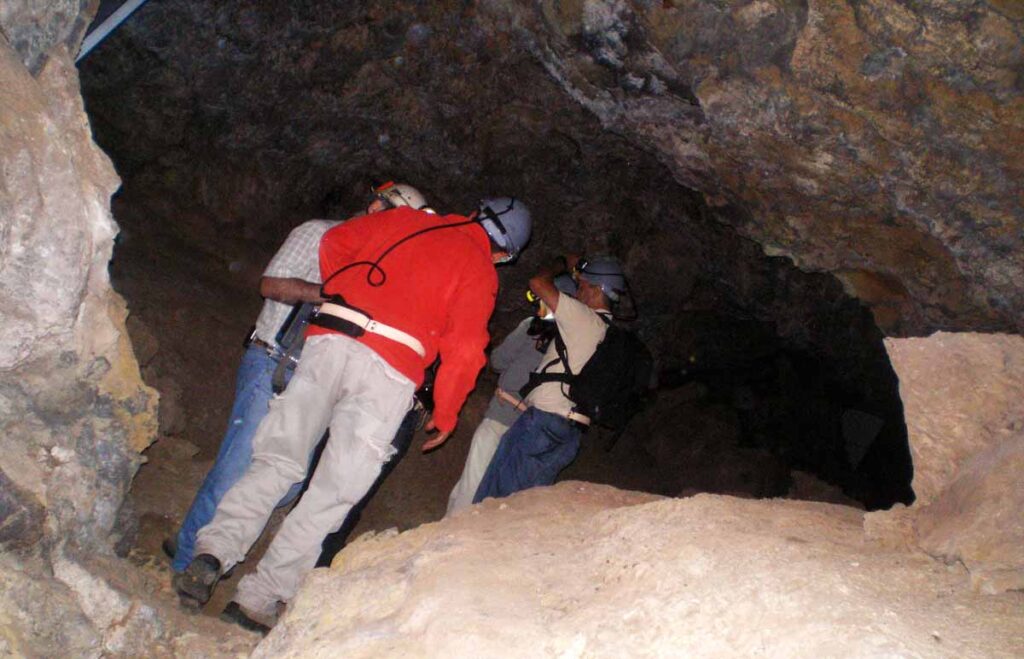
column 400, row 194
column 507, row 221
column 604, row 272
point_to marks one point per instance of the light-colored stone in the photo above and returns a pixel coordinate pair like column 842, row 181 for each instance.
column 979, row 519
column 103, row 605
column 963, row 399
column 39, row 616
column 69, row 383
column 582, row 570
column 962, row 394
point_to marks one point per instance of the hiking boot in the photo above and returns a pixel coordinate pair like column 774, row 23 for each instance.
column 198, row 579
column 234, row 612
column 170, row 547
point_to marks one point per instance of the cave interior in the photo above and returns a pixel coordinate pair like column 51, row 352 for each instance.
column 817, row 204
column 229, row 126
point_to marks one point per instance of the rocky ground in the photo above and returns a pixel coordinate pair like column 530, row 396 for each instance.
column 582, row 570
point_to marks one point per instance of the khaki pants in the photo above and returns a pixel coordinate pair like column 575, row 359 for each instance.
column 339, row 383
column 481, row 449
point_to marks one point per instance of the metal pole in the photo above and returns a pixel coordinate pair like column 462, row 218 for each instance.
column 94, row 38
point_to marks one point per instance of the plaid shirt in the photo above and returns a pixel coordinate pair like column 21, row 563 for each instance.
column 299, row 258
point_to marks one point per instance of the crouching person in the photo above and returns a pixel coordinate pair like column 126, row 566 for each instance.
column 546, row 438
column 514, row 359
column 403, row 287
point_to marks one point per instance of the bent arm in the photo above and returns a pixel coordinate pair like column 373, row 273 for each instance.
column 462, row 346
column 289, row 290
column 543, row 283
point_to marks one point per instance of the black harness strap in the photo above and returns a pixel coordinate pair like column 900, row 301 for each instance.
column 541, row 377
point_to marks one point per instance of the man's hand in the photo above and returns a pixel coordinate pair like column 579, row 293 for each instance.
column 571, row 260
column 436, row 440
column 543, row 283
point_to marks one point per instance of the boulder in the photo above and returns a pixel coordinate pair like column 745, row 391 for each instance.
column 583, row 570
column 963, row 397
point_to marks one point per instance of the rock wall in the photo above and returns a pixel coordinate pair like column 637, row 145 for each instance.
column 74, row 413
column 963, row 395
column 231, row 120
column 877, row 140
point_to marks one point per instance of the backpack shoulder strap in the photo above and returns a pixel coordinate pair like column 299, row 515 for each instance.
column 563, row 353
column 542, row 376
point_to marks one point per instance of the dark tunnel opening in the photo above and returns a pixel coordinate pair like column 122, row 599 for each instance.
column 774, row 382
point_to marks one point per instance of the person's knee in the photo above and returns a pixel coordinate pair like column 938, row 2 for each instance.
column 278, row 466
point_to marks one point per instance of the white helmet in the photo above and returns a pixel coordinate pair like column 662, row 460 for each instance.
column 400, row 194
column 606, row 273
column 507, row 221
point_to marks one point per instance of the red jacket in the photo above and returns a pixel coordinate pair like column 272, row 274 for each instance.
column 440, row 288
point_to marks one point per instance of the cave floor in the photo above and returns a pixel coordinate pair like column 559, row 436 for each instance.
column 585, row 570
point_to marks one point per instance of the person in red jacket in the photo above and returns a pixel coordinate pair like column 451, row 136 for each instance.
column 404, row 286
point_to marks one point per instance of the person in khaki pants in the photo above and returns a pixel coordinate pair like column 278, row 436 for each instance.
column 404, row 286
column 514, row 358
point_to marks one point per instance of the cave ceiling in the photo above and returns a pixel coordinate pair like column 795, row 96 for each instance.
column 875, row 140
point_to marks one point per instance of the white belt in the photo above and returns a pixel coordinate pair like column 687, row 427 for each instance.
column 578, row 418
column 572, row 416
column 510, row 399
column 373, row 327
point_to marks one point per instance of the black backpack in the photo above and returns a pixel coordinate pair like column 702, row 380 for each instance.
column 612, row 386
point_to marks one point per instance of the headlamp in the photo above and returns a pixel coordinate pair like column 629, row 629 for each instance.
column 542, row 309
column 577, row 270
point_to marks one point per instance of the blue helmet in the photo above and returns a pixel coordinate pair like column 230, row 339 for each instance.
column 606, row 273
column 508, row 222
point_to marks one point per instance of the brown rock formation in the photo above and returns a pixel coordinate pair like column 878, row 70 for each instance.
column 880, row 141
column 877, row 141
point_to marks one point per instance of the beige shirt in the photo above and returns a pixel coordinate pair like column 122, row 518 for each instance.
column 581, row 329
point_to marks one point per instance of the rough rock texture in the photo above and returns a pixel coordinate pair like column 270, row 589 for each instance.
column 74, row 412
column 580, row 570
column 964, row 401
column 876, row 140
column 35, row 27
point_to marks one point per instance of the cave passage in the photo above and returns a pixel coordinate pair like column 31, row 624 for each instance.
column 774, row 382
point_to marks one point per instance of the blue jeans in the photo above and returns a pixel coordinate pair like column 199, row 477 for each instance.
column 253, row 393
column 531, row 453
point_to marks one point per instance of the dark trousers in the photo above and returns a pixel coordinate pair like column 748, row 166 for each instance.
column 534, row 450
